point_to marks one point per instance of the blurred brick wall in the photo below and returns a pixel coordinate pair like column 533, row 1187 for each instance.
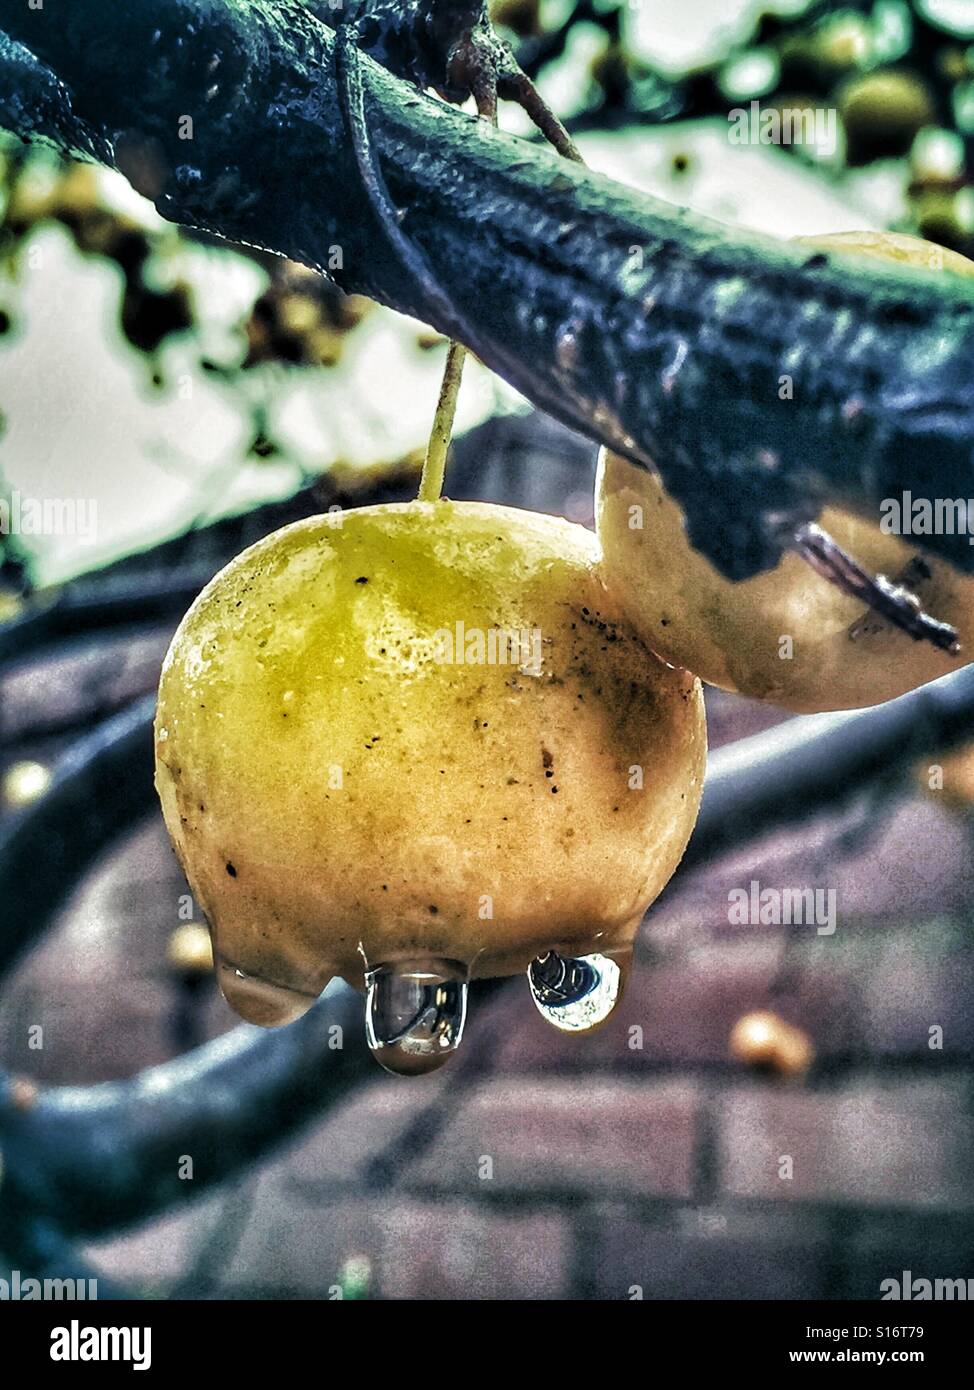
column 612, row 1166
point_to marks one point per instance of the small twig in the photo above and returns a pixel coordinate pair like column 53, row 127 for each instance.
column 349, row 74
column 483, row 83
column 516, row 85
column 481, row 63
column 898, row 604
column 484, row 65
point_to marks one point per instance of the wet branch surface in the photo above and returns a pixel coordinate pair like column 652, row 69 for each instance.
column 645, row 327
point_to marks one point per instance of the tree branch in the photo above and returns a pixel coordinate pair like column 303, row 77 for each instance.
column 814, row 763
column 657, row 332
column 36, row 105
column 92, row 1159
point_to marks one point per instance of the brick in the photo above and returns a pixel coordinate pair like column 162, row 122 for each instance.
column 292, row 1248
column 918, row 865
column 595, row 1146
column 708, row 1253
column 915, row 862
column 914, row 984
column 906, row 1144
column 149, row 1260
column 458, row 1250
column 414, row 1249
column 98, row 983
column 339, row 1149
column 569, row 1136
column 86, row 1039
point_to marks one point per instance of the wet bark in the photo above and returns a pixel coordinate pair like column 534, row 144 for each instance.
column 761, row 378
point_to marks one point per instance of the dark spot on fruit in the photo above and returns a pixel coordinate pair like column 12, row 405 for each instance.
column 362, row 579
column 433, row 909
column 231, row 870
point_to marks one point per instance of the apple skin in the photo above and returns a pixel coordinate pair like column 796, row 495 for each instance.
column 731, row 634
column 340, row 796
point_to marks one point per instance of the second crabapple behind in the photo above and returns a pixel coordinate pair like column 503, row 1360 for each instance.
column 786, row 635
column 416, row 744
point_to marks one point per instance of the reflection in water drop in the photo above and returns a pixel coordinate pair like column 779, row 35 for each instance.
column 576, row 993
column 415, row 1013
column 259, row 1001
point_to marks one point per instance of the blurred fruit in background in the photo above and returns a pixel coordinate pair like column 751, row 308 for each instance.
column 765, row 1042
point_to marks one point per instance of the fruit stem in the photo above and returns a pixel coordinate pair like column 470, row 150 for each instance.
column 434, row 465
